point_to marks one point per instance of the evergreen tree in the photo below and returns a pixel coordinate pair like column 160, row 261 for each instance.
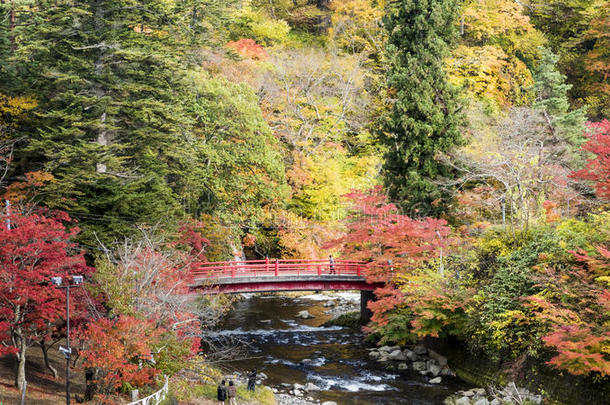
column 567, row 126
column 425, row 118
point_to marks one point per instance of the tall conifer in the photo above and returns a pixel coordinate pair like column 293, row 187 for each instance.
column 425, row 118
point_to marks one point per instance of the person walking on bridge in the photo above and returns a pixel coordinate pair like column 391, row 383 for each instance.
column 332, row 264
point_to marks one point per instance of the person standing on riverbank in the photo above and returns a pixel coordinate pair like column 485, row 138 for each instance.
column 221, row 393
column 232, row 393
column 252, row 380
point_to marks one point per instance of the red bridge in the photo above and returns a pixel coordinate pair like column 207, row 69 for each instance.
column 287, row 275
column 282, row 275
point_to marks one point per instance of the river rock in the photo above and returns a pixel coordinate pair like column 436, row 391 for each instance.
column 436, row 380
column 419, row 366
column 311, row 387
column 304, row 315
column 329, row 304
column 403, row 366
column 411, row 355
column 469, row 393
column 440, row 359
column 434, row 369
column 479, row 391
column 329, row 403
column 495, row 401
column 388, row 349
column 482, row 401
column 462, row 401
column 397, row 355
column 447, row 372
column 298, row 386
column 420, row 349
column 374, row 354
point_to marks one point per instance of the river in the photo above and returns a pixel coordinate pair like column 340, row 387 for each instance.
column 337, row 358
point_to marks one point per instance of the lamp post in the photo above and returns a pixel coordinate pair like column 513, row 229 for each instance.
column 67, row 351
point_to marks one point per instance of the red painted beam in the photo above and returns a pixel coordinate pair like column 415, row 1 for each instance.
column 271, row 286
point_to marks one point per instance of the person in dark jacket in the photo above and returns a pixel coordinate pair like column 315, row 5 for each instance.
column 252, row 380
column 222, row 393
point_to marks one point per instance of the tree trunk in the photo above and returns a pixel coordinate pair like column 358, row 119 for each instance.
column 20, row 377
column 45, row 356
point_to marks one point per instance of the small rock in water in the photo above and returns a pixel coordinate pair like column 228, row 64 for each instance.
column 329, row 304
column 311, row 387
column 267, row 321
column 298, row 386
column 469, row 393
column 304, row 315
column 403, row 366
column 436, row 380
column 329, row 403
column 482, row 401
column 419, row 366
column 495, row 401
column 434, row 369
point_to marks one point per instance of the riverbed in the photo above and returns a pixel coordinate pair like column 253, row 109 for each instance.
column 291, row 350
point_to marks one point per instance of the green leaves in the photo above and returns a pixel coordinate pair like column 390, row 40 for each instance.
column 425, row 116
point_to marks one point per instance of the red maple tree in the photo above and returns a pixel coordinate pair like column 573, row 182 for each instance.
column 248, row 48
column 393, row 243
column 120, row 350
column 598, row 168
column 34, row 249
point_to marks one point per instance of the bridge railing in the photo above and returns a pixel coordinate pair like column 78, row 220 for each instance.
column 279, row 267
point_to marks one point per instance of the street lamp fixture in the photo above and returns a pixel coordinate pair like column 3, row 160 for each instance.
column 58, row 282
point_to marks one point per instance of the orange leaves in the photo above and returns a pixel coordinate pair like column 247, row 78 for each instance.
column 120, row 348
column 248, row 48
column 581, row 351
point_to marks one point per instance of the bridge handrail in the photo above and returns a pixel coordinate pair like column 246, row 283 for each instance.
column 245, row 268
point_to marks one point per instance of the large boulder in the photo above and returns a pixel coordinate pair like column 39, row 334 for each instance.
column 411, row 355
column 440, row 359
column 420, row 350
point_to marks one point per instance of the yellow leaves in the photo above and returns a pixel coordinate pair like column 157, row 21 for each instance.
column 13, row 108
column 487, row 72
column 502, row 23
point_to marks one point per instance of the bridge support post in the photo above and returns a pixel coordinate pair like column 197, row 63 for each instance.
column 365, row 312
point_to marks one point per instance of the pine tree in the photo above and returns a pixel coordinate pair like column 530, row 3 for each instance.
column 425, row 118
column 110, row 124
column 566, row 126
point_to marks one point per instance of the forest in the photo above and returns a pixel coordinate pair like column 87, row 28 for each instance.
column 465, row 142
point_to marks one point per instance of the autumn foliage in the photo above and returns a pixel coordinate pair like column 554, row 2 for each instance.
column 34, row 249
column 248, row 48
column 121, row 350
column 598, row 168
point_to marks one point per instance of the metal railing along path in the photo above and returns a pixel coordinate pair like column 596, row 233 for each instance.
column 155, row 398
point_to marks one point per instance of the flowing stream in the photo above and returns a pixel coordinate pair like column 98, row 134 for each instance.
column 336, row 359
